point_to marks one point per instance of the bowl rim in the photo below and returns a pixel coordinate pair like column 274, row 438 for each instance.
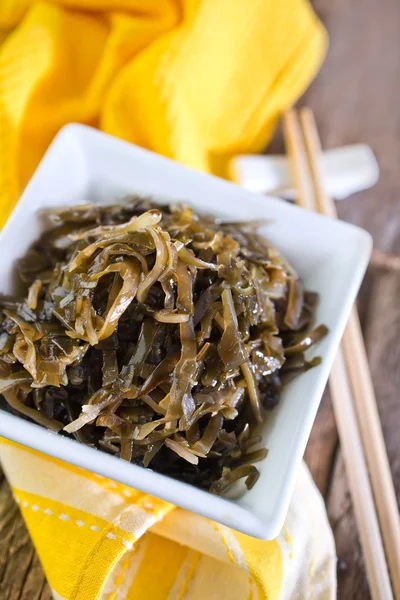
column 223, row 510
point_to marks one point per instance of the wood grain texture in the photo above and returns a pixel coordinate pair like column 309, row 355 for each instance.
column 21, row 575
column 355, row 99
column 352, row 582
column 322, row 446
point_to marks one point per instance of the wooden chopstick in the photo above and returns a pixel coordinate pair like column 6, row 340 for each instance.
column 342, row 397
column 299, row 167
column 359, row 484
column 362, row 387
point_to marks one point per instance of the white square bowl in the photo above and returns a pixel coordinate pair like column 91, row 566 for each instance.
column 331, row 256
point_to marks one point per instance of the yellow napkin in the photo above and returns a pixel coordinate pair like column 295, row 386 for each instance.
column 100, row 540
column 198, row 81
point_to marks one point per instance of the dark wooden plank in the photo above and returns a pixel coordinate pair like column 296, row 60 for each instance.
column 322, row 446
column 46, row 593
column 352, row 582
column 382, row 336
column 21, row 575
column 355, row 99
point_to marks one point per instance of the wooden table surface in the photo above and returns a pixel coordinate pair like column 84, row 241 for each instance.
column 355, row 98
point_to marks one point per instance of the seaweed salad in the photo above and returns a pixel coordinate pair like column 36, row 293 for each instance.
column 156, row 335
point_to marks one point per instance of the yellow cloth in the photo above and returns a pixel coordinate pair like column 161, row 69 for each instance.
column 100, row 540
column 195, row 80
column 198, row 81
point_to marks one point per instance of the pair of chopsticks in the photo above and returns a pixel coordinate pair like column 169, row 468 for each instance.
column 352, row 392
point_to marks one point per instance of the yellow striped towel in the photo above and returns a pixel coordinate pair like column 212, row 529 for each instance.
column 198, row 81
column 99, row 539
